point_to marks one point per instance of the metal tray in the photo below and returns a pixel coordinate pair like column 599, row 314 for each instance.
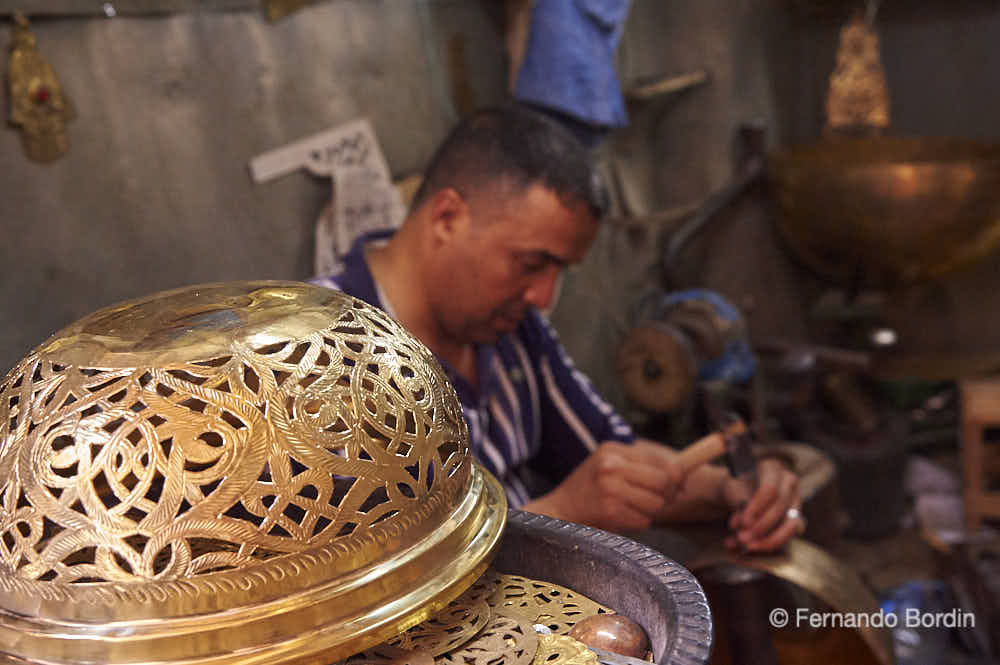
column 632, row 579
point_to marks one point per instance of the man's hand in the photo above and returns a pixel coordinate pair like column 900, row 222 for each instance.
column 763, row 523
column 619, row 487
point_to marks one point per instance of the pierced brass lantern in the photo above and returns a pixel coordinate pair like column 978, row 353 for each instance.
column 260, row 472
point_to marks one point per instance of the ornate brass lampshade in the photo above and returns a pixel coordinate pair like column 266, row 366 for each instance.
column 260, row 472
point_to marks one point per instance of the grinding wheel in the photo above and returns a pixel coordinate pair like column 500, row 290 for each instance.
column 658, row 367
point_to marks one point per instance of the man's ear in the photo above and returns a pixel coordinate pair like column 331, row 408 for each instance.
column 448, row 214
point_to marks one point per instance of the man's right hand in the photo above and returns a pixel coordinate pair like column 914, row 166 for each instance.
column 618, row 487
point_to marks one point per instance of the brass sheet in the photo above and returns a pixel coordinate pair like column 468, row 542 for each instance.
column 511, row 603
column 563, row 650
column 447, row 630
column 505, row 641
column 813, row 569
column 536, row 601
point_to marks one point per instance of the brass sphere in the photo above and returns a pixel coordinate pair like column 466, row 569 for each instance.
column 612, row 632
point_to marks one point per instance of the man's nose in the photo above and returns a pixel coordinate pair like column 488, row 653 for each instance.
column 542, row 288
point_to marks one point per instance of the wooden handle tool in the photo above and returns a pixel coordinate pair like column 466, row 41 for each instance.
column 707, row 448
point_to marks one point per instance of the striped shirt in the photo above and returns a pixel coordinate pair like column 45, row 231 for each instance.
column 534, row 416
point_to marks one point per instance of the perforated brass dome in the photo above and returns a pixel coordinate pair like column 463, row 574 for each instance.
column 242, row 472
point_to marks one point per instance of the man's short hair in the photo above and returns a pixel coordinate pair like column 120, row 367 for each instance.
column 514, row 144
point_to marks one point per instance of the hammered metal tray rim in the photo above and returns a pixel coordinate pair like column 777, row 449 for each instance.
column 664, row 578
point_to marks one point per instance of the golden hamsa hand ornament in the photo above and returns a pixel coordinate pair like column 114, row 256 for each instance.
column 37, row 102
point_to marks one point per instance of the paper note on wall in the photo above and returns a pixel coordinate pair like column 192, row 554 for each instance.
column 363, row 197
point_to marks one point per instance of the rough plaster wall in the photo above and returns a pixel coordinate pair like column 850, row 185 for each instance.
column 677, row 151
column 155, row 193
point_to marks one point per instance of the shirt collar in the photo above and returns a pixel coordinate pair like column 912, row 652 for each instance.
column 357, row 278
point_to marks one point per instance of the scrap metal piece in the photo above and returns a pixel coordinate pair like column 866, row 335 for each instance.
column 563, row 650
column 38, row 104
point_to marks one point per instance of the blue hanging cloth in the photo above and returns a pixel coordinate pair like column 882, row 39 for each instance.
column 569, row 66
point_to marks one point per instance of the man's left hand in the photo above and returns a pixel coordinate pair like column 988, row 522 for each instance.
column 771, row 516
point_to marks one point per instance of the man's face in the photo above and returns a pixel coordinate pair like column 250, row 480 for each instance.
column 507, row 258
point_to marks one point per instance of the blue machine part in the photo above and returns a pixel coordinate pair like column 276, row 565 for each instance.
column 737, row 362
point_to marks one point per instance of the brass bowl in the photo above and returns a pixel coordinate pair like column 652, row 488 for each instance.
column 882, row 211
column 260, row 472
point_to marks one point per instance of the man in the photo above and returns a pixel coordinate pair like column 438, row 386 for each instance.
column 508, row 201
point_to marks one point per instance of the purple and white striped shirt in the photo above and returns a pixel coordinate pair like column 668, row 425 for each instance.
column 534, row 416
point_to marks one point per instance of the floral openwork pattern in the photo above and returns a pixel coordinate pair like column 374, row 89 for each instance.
column 121, row 474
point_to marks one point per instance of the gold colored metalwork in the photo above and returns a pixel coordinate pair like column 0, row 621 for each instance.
column 858, row 97
column 38, row 104
column 505, row 641
column 451, row 629
column 878, row 211
column 535, row 601
column 812, row 569
column 563, row 650
column 240, row 472
column 453, row 634
column 447, row 630
column 882, row 210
